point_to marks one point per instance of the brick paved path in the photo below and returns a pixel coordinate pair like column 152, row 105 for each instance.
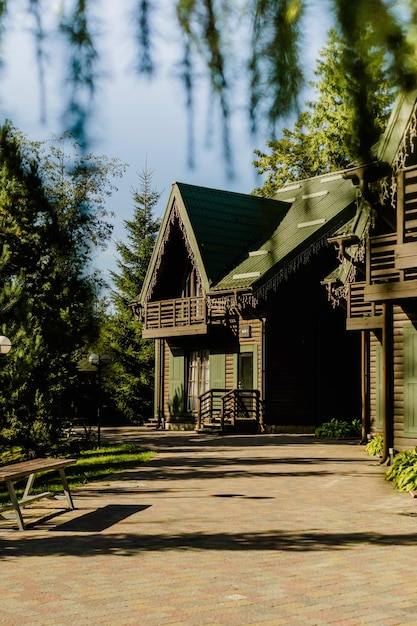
column 262, row 530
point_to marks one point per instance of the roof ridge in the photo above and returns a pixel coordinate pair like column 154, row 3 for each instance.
column 226, row 192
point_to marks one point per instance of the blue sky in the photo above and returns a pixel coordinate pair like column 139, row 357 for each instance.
column 136, row 120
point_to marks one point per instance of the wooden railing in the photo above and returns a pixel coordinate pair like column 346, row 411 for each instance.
column 406, row 248
column 210, row 407
column 391, row 261
column 361, row 314
column 381, row 260
column 175, row 317
column 223, row 407
column 384, row 280
column 241, row 404
column 409, row 213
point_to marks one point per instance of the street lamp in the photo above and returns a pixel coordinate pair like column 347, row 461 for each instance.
column 99, row 361
column 5, row 344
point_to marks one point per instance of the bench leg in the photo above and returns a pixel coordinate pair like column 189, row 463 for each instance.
column 66, row 488
column 15, row 504
column 29, row 486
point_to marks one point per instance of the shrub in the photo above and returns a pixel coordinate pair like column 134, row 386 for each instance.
column 403, row 471
column 339, row 429
column 376, row 446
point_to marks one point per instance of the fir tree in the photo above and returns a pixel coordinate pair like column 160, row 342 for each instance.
column 131, row 381
column 325, row 136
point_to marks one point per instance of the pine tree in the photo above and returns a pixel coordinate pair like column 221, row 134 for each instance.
column 324, row 137
column 131, row 381
column 257, row 48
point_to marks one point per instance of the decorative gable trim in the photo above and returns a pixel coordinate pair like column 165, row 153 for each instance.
column 174, row 217
column 291, row 266
column 405, row 149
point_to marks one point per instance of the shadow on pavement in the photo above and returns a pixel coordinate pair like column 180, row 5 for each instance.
column 100, row 519
column 131, row 544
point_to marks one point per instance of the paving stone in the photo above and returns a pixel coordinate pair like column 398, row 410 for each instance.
column 238, row 530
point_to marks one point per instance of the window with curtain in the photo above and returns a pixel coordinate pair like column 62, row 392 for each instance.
column 198, row 377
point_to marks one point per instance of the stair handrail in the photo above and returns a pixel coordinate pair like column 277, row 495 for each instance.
column 234, row 404
column 209, row 401
column 231, row 405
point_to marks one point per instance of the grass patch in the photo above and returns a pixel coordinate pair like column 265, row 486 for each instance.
column 94, row 464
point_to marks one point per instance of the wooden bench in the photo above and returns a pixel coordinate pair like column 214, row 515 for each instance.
column 10, row 473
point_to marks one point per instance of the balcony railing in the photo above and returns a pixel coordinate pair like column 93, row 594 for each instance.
column 180, row 316
column 384, row 280
column 362, row 315
column 406, row 249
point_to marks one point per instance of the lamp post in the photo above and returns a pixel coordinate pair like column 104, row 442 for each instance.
column 5, row 344
column 99, row 361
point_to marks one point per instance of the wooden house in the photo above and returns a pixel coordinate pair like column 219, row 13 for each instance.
column 377, row 281
column 246, row 337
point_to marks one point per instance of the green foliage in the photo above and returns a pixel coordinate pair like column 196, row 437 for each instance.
column 324, row 137
column 375, row 447
column 403, row 471
column 339, row 429
column 52, row 213
column 130, row 380
column 93, row 464
column 260, row 43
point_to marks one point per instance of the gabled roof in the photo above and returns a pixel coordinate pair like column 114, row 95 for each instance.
column 227, row 224
column 220, row 227
column 398, row 122
column 239, row 241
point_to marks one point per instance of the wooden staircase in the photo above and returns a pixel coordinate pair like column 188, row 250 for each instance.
column 230, row 410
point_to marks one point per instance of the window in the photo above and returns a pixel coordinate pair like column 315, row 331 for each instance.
column 192, row 285
column 198, row 377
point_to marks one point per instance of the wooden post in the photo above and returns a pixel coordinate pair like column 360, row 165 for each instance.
column 365, row 383
column 400, row 207
column 387, row 379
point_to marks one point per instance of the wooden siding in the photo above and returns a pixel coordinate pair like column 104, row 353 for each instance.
column 255, row 340
column 230, row 370
column 401, row 317
column 230, row 347
column 166, row 379
column 401, row 441
column 374, row 368
column 312, row 363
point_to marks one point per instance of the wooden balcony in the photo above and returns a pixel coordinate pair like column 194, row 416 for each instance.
column 384, row 281
column 170, row 318
column 362, row 315
column 406, row 248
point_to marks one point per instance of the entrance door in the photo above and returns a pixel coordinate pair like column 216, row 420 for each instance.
column 245, row 370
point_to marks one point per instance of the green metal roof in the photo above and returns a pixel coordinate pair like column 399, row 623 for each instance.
column 400, row 117
column 227, row 224
column 318, row 206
